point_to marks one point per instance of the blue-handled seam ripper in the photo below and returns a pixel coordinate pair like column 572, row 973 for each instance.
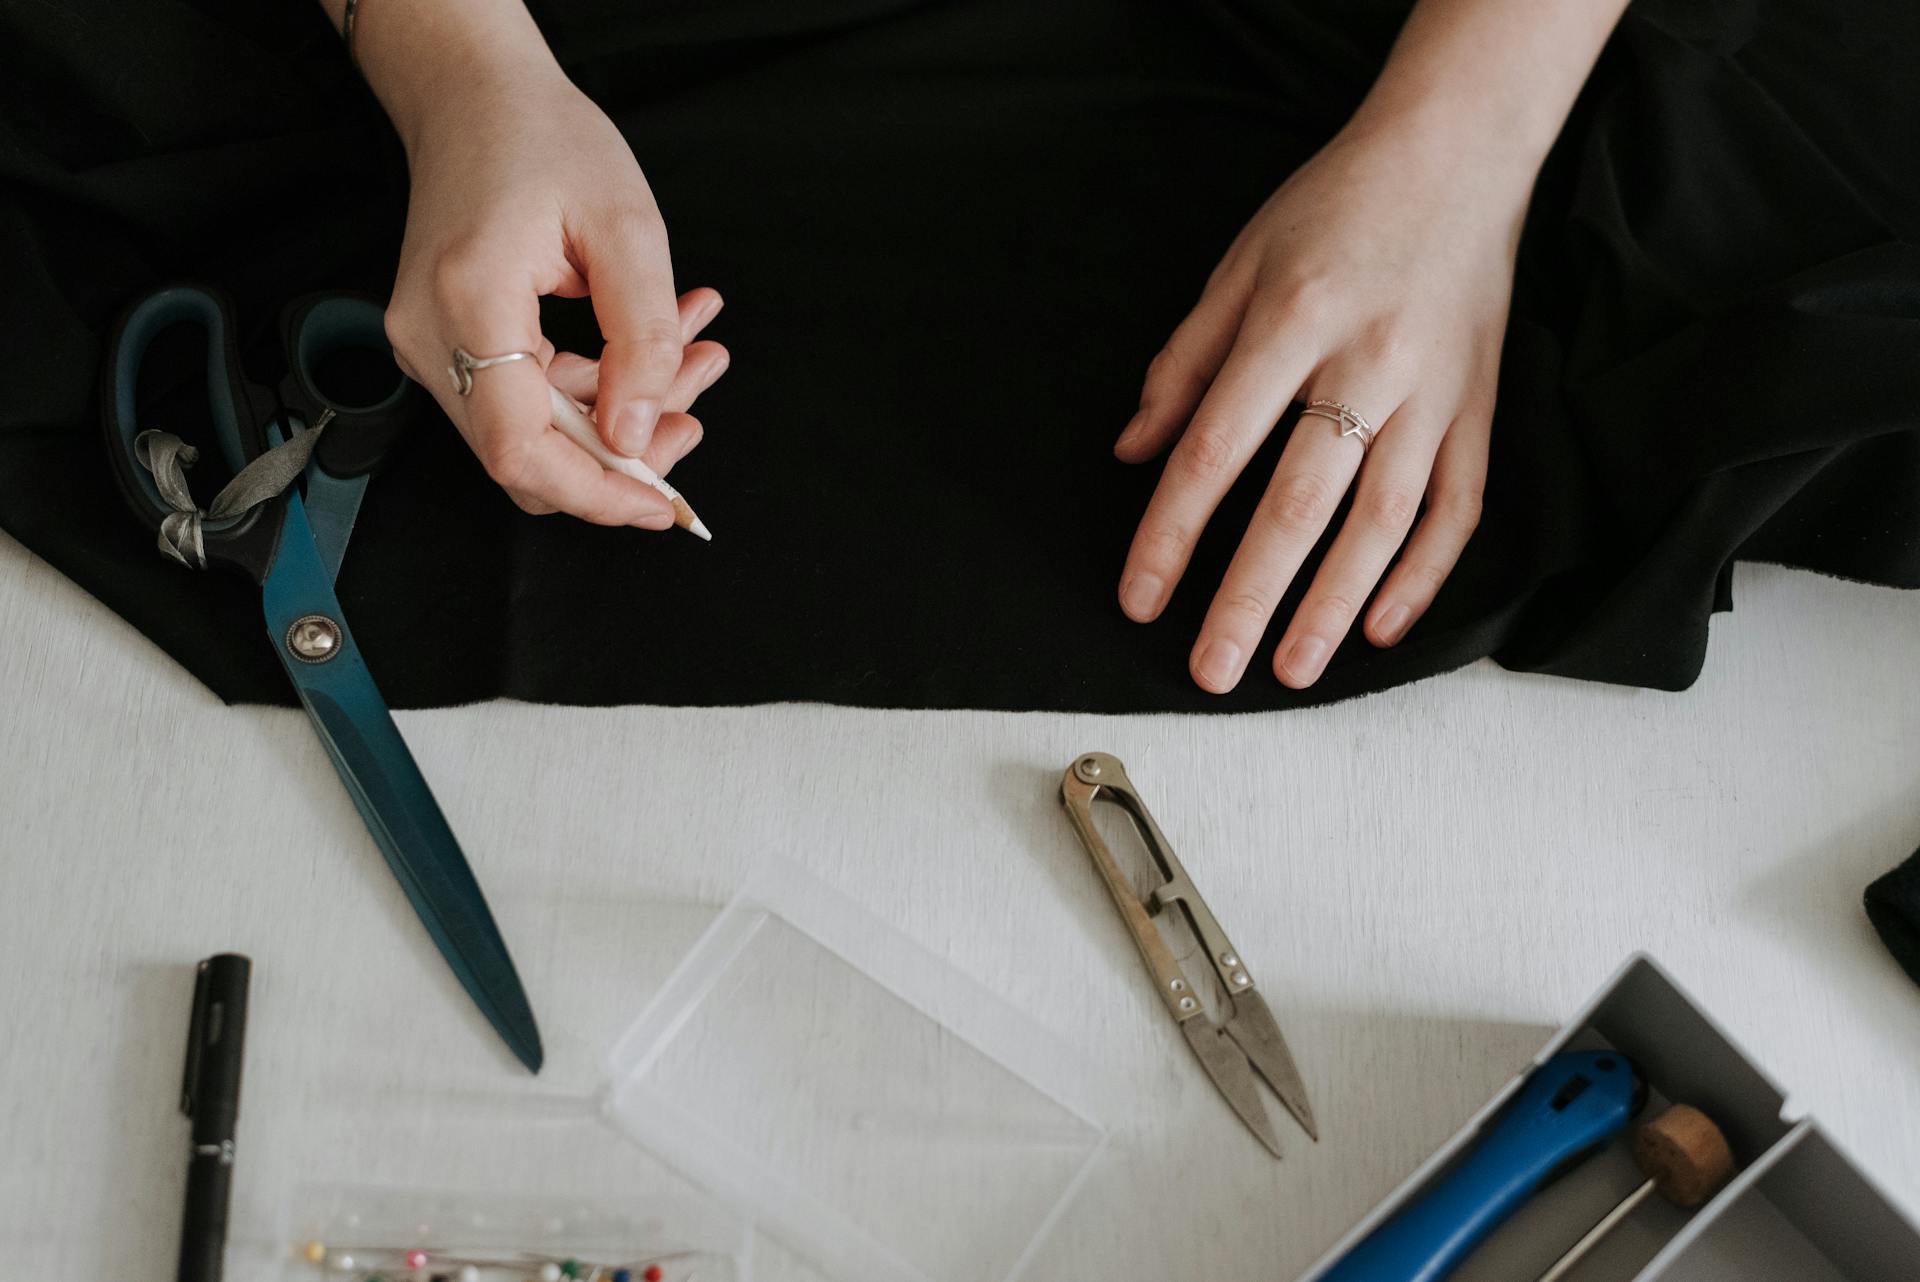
column 1571, row 1106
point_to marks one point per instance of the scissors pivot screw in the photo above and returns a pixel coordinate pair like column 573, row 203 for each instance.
column 313, row 638
column 1089, row 768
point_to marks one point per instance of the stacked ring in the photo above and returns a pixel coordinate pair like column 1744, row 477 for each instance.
column 1351, row 422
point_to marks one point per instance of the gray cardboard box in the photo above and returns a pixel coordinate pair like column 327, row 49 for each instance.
column 1798, row 1211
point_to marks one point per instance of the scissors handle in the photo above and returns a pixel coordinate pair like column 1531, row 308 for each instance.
column 238, row 412
column 1091, row 774
column 1098, row 772
column 1178, row 888
column 339, row 359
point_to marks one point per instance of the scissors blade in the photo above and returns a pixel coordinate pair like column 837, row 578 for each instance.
column 351, row 718
column 1226, row 1064
column 393, row 798
column 1255, row 1031
column 333, row 504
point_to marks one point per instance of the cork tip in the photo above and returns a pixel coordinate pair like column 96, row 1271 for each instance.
column 1685, row 1155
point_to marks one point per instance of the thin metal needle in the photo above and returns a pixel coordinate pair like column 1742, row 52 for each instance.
column 1578, row 1250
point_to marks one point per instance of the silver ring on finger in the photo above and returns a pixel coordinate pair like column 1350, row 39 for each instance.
column 465, row 362
column 1350, row 420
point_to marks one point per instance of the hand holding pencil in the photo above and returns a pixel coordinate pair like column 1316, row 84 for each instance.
column 570, row 418
column 523, row 189
column 573, row 386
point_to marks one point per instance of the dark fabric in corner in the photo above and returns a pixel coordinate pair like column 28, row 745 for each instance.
column 1893, row 906
column 951, row 235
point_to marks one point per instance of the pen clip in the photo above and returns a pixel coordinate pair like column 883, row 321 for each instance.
column 196, row 1038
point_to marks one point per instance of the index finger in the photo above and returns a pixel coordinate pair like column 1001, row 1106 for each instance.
column 1256, row 383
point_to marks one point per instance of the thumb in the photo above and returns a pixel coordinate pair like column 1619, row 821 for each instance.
column 630, row 278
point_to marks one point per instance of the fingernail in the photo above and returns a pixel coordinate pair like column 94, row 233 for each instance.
column 1304, row 660
column 633, row 425
column 1141, row 596
column 1218, row 664
column 1131, row 430
column 655, row 521
column 1393, row 623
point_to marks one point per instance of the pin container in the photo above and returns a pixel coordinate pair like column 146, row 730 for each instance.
column 410, row 1235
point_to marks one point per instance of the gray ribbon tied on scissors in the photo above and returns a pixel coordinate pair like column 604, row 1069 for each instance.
column 168, row 458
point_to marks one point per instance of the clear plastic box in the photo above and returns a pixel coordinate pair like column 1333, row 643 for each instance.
column 881, row 1114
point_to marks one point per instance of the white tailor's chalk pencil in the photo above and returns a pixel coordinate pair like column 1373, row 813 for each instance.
column 571, row 419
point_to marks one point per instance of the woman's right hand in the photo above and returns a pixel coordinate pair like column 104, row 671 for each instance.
column 522, row 187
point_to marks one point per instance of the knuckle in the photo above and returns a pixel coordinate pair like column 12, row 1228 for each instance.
column 1305, row 301
column 458, row 276
column 629, row 228
column 1165, row 367
column 638, row 220
column 1389, row 507
column 1334, row 610
column 1247, row 603
column 402, row 328
column 398, row 326
column 1381, row 345
column 1419, row 578
column 1425, row 577
column 656, row 342
column 1297, row 504
column 509, row 465
column 1459, row 509
column 1222, row 277
column 1160, row 545
column 1208, row 451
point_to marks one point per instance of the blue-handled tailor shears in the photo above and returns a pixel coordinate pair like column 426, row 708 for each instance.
column 291, row 543
column 1568, row 1108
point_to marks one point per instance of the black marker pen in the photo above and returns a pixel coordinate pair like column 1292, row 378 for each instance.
column 210, row 1095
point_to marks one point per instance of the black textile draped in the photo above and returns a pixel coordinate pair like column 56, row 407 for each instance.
column 1893, row 906
column 950, row 236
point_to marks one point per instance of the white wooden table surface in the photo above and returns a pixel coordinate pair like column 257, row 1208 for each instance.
column 1426, row 882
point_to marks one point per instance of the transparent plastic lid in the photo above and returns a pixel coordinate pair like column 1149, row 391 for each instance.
column 874, row 1109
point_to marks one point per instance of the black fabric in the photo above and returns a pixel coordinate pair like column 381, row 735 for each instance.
column 1893, row 906
column 951, row 235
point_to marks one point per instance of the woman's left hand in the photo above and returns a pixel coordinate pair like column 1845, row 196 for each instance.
column 1378, row 275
